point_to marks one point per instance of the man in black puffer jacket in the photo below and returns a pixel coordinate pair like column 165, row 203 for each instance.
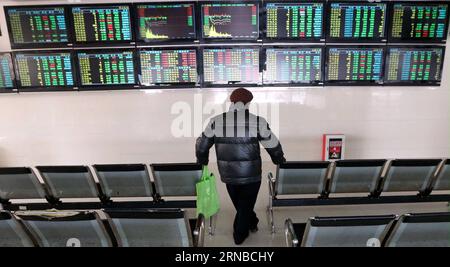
column 236, row 135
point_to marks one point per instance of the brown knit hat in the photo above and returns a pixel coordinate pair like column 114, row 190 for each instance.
column 241, row 95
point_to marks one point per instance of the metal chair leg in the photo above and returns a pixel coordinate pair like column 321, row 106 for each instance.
column 211, row 227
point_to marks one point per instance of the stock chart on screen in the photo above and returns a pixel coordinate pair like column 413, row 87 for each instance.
column 102, row 23
column 357, row 21
column 169, row 66
column 294, row 20
column 355, row 64
column 231, row 66
column 166, row 22
column 419, row 22
column 49, row 70
column 6, row 72
column 293, row 66
column 99, row 68
column 414, row 64
column 230, row 20
column 37, row 25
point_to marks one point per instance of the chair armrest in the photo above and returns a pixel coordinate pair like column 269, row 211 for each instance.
column 199, row 231
column 291, row 237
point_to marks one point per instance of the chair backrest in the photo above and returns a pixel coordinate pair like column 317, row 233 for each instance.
column 421, row 230
column 20, row 183
column 178, row 179
column 301, row 177
column 355, row 231
column 443, row 180
column 12, row 234
column 356, row 176
column 124, row 180
column 409, row 175
column 65, row 228
column 69, row 181
column 150, row 228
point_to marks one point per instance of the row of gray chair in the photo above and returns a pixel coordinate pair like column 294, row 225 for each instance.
column 114, row 181
column 123, row 228
column 409, row 230
column 374, row 180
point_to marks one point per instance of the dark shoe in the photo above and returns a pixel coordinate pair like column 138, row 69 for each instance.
column 254, row 227
column 239, row 240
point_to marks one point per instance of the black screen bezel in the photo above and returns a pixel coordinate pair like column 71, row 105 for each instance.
column 103, row 43
column 413, row 83
column 418, row 40
column 354, row 83
column 47, row 88
column 69, row 26
column 294, row 40
column 211, row 84
column 169, row 85
column 315, row 83
column 355, row 40
column 142, row 42
column 106, row 87
column 232, row 39
column 13, row 75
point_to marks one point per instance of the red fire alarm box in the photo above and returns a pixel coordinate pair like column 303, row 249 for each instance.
column 333, row 147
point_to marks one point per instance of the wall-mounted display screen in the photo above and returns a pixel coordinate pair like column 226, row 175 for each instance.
column 414, row 65
column 230, row 20
column 168, row 67
column 102, row 23
column 424, row 22
column 106, row 68
column 37, row 26
column 355, row 64
column 222, row 66
column 44, row 70
column 356, row 21
column 161, row 22
column 293, row 66
column 295, row 20
column 6, row 72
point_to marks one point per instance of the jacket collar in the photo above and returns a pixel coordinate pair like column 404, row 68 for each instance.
column 239, row 106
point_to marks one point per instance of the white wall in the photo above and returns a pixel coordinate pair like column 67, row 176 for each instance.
column 135, row 126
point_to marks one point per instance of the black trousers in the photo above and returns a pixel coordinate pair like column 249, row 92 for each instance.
column 244, row 199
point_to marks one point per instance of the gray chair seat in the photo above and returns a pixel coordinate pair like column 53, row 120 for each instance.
column 65, row 228
column 121, row 180
column 154, row 228
column 69, row 181
column 20, row 183
column 176, row 179
column 421, row 230
column 12, row 233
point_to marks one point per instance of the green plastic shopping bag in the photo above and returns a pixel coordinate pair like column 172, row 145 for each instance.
column 208, row 202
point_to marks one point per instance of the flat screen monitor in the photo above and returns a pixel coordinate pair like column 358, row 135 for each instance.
column 356, row 21
column 424, row 21
column 232, row 20
column 295, row 20
column 231, row 66
column 102, row 24
column 45, row 70
column 358, row 65
column 301, row 65
column 414, row 65
column 163, row 67
column 165, row 22
column 37, row 26
column 6, row 72
column 106, row 68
